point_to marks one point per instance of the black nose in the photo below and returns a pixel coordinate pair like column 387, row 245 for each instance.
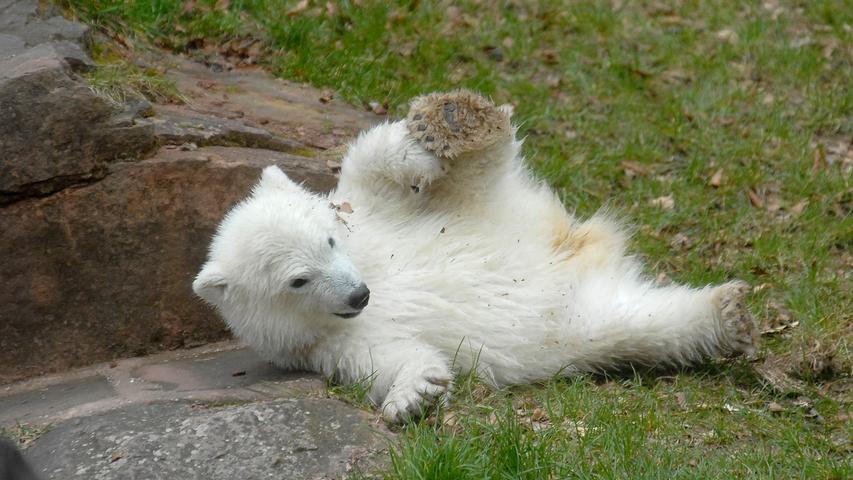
column 359, row 297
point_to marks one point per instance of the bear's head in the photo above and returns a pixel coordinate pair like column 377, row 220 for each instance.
column 278, row 251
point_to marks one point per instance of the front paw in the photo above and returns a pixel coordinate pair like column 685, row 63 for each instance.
column 454, row 123
column 420, row 168
column 416, row 389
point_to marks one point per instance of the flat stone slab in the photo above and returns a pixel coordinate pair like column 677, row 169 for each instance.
column 291, row 438
column 217, row 411
column 218, row 372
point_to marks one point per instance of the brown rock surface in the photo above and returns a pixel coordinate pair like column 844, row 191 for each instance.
column 98, row 246
column 283, row 108
column 104, row 270
column 55, row 131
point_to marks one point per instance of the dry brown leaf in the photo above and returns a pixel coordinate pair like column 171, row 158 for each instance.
column 773, row 203
column 331, row 9
column 775, row 407
column 681, row 400
column 799, row 207
column 553, row 80
column 728, row 35
column 666, row 202
column 298, row 9
column 780, row 328
column 549, row 55
column 635, row 168
column 680, row 241
column 116, row 456
column 819, row 159
column 754, row 199
column 717, row 178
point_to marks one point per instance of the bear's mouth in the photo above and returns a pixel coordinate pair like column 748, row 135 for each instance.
column 348, row 315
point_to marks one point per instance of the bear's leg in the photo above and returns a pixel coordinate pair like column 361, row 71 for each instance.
column 405, row 376
column 386, row 156
column 674, row 325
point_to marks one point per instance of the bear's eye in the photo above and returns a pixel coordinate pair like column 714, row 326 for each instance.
column 331, row 242
column 298, row 282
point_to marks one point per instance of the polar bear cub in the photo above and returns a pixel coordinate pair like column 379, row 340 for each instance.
column 439, row 253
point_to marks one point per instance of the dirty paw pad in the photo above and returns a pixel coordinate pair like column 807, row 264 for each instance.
column 450, row 124
column 739, row 326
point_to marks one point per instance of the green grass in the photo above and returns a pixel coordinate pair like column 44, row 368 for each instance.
column 118, row 80
column 761, row 91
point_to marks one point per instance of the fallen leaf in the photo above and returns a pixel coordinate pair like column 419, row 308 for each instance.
column 635, row 168
column 116, row 456
column 728, row 35
column 799, row 207
column 680, row 241
column 553, row 80
column 754, row 199
column 549, row 56
column 331, row 9
column 494, row 53
column 666, row 202
column 775, row 407
column 819, row 159
column 681, row 400
column 345, row 207
column 298, row 9
column 716, row 178
column 327, row 97
column 773, row 203
column 780, row 328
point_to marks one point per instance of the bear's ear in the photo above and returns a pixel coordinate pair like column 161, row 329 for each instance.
column 273, row 177
column 210, row 284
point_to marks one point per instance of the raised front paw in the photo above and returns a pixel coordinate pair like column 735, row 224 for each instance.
column 415, row 390
column 740, row 331
column 454, row 123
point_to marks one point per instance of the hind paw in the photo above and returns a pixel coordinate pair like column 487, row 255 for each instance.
column 739, row 328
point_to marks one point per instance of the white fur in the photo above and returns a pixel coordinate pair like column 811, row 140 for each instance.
column 471, row 263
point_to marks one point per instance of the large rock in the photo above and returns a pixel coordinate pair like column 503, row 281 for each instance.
column 293, row 439
column 55, row 131
column 104, row 270
column 97, row 252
